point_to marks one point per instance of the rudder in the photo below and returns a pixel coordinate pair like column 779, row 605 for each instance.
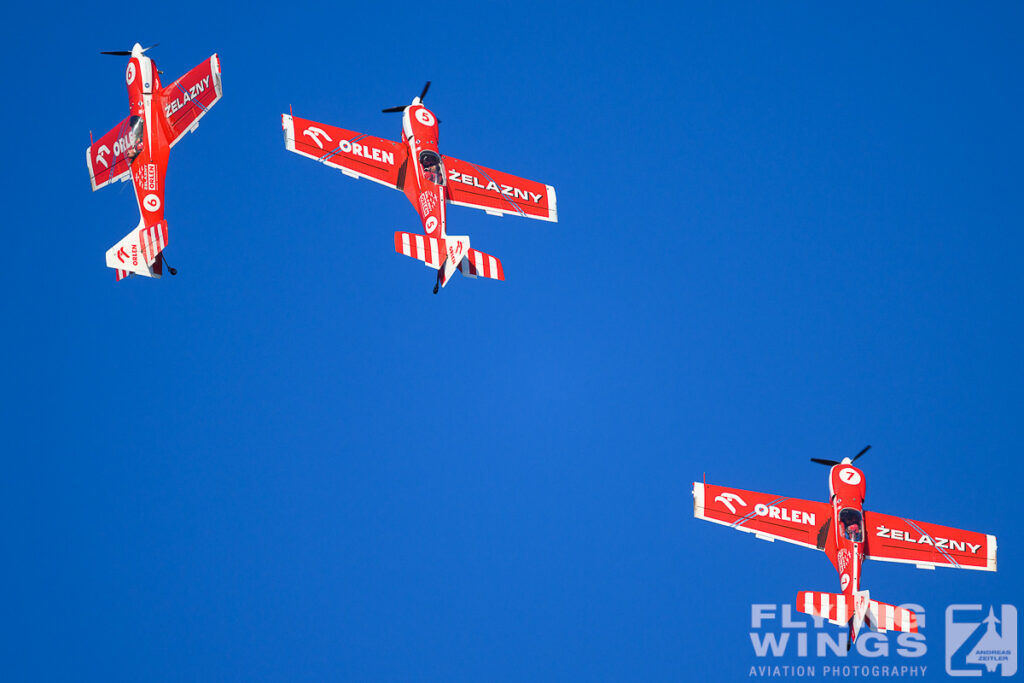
column 138, row 252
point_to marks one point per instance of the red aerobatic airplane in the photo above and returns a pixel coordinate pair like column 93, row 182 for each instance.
column 847, row 534
column 429, row 180
column 138, row 148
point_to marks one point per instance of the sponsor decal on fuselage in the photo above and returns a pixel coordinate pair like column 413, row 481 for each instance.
column 186, row 96
column 146, row 177
column 428, row 200
column 908, row 537
column 491, row 186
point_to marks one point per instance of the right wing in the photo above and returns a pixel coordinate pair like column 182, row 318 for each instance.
column 189, row 98
column 107, row 158
column 767, row 516
column 497, row 192
column 356, row 155
column 927, row 545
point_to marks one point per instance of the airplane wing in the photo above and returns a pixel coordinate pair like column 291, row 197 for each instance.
column 767, row 516
column 187, row 99
column 927, row 545
column 107, row 157
column 355, row 154
column 496, row 192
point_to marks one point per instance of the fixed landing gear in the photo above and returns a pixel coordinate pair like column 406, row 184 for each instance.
column 435, row 288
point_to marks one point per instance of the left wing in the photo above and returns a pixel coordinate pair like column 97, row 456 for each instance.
column 497, row 192
column 189, row 98
column 107, row 158
column 767, row 516
column 355, row 154
column 927, row 545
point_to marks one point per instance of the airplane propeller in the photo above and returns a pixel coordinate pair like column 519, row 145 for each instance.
column 418, row 100
column 127, row 53
column 846, row 461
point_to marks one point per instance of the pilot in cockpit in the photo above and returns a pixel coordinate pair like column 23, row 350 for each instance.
column 851, row 524
column 136, row 134
column 433, row 169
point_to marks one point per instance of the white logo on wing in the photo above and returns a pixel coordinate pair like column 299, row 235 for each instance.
column 151, row 202
column 315, row 133
column 727, row 500
column 431, row 224
column 103, row 150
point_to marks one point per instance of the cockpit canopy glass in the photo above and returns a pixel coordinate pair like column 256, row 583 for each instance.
column 851, row 524
column 136, row 135
column 433, row 169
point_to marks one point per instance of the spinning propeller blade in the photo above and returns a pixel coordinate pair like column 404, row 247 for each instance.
column 866, row 449
column 822, row 461
column 127, row 53
column 423, row 94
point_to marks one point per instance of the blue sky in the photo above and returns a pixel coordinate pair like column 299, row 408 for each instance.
column 785, row 232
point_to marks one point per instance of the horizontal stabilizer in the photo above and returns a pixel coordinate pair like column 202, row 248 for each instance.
column 478, row 264
column 883, row 617
column 839, row 609
column 829, row 606
column 428, row 249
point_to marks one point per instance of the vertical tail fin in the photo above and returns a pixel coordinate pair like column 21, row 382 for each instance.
column 138, row 252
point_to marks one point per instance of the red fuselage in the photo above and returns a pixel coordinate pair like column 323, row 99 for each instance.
column 148, row 137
